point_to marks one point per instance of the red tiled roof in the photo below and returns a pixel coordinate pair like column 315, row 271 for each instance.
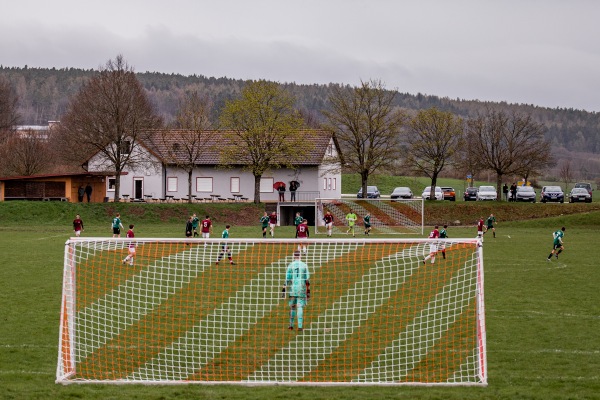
column 164, row 144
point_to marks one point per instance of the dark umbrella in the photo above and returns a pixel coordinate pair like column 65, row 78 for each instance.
column 295, row 183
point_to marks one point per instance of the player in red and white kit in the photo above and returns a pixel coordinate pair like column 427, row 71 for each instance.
column 131, row 246
column 433, row 247
column 77, row 225
column 328, row 218
column 480, row 229
column 302, row 233
column 273, row 222
column 206, row 227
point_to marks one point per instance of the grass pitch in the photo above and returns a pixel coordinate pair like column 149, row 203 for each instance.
column 543, row 318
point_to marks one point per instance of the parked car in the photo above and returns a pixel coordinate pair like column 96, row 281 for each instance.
column 372, row 193
column 586, row 186
column 487, row 193
column 525, row 193
column 449, row 193
column 470, row 194
column 402, row 193
column 552, row 193
column 439, row 195
column 579, row 194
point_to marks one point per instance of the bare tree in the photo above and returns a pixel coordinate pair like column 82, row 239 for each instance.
column 566, row 173
column 109, row 115
column 25, row 154
column 508, row 144
column 366, row 128
column 264, row 131
column 192, row 138
column 433, row 138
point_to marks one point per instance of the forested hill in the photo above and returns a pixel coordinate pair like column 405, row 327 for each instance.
column 44, row 94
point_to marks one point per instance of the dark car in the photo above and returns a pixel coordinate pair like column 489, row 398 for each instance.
column 401, row 193
column 586, row 186
column 372, row 193
column 449, row 193
column 525, row 193
column 470, row 194
column 579, row 194
column 552, row 193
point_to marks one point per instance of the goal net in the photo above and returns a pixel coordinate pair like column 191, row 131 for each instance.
column 377, row 313
column 402, row 216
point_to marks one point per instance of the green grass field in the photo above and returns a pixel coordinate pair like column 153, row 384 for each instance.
column 543, row 318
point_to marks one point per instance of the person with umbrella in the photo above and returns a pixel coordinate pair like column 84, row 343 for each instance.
column 281, row 190
column 294, row 185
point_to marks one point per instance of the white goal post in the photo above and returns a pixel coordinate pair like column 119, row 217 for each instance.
column 185, row 311
column 398, row 216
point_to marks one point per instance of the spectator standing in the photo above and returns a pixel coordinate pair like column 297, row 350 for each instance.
column 513, row 192
column 293, row 188
column 281, row 190
column 88, row 192
column 80, row 193
column 505, row 192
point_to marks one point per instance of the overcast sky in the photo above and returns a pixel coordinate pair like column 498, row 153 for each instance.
column 544, row 52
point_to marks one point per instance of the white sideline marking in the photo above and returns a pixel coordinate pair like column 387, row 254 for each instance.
column 50, row 237
column 8, row 371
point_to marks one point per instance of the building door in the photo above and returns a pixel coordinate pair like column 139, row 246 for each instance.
column 138, row 188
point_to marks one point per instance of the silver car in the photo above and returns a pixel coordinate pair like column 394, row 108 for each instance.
column 525, row 193
column 487, row 193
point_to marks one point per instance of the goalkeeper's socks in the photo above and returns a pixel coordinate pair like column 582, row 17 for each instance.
column 292, row 317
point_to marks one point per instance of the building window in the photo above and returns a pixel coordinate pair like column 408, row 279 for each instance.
column 172, row 184
column 324, row 183
column 204, row 185
column 334, row 184
column 234, row 185
column 111, row 182
column 126, row 147
column 266, row 185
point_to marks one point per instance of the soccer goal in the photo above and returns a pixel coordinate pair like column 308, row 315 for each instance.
column 376, row 315
column 401, row 216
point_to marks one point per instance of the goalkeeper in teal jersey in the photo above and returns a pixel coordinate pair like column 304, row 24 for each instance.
column 557, row 246
column 297, row 286
column 225, row 247
column 443, row 235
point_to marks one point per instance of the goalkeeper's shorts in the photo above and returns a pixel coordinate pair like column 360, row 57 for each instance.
column 297, row 301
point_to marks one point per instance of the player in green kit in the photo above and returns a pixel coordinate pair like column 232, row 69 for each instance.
column 490, row 221
column 225, row 248
column 195, row 222
column 557, row 246
column 264, row 220
column 443, row 235
column 367, row 222
column 351, row 219
column 297, row 221
column 298, row 288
